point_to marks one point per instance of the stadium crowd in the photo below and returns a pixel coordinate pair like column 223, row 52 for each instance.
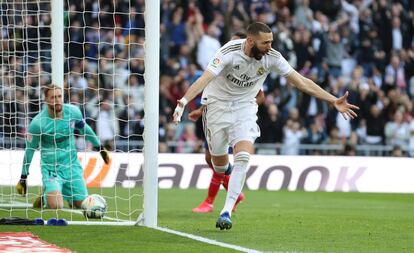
column 365, row 47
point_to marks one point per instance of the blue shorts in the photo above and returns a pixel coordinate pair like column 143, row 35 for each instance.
column 69, row 181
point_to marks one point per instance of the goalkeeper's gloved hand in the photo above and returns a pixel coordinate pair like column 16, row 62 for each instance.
column 178, row 112
column 21, row 186
column 104, row 154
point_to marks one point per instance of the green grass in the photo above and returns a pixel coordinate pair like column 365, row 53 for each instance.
column 266, row 221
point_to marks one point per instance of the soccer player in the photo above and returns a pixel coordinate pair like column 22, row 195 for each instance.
column 229, row 84
column 52, row 131
column 218, row 178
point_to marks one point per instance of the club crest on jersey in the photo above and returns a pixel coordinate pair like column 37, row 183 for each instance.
column 260, row 71
column 72, row 124
column 29, row 137
column 216, row 62
column 237, row 67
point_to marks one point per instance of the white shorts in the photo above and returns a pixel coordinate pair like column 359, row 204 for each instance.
column 227, row 123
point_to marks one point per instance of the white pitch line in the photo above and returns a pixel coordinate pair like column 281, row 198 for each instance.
column 121, row 222
column 208, row 241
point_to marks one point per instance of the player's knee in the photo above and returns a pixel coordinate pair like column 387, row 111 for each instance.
column 208, row 160
column 77, row 204
column 55, row 205
column 220, row 168
column 241, row 160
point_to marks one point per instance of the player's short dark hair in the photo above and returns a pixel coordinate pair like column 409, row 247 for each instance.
column 49, row 87
column 258, row 27
column 241, row 35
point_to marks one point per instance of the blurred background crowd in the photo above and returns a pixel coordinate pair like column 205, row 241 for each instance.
column 365, row 47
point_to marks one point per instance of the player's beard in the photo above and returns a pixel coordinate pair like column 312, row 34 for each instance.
column 257, row 54
column 57, row 108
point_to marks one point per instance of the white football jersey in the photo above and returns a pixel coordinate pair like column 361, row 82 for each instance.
column 238, row 76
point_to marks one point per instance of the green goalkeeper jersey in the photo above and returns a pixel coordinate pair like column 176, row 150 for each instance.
column 56, row 140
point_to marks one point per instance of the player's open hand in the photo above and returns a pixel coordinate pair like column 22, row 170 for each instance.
column 21, row 186
column 347, row 109
column 196, row 114
column 105, row 155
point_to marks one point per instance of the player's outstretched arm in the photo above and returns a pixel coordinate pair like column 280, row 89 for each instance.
column 191, row 93
column 32, row 143
column 104, row 154
column 90, row 135
column 93, row 138
column 308, row 86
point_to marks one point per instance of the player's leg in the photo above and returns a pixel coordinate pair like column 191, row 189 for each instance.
column 215, row 129
column 242, row 135
column 226, row 186
column 217, row 121
column 52, row 190
column 214, row 187
column 225, row 183
column 242, row 151
column 54, row 200
column 220, row 163
column 215, row 182
column 74, row 188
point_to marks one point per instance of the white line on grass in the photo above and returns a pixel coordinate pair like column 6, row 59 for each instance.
column 120, row 222
column 208, row 241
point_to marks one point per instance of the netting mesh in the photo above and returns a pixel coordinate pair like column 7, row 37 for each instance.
column 103, row 66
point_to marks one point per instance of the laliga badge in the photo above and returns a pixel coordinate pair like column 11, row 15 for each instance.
column 216, row 62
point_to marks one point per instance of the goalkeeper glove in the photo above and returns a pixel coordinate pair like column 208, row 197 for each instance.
column 104, row 154
column 178, row 112
column 21, row 186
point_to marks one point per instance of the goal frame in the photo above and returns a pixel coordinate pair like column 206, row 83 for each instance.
column 151, row 102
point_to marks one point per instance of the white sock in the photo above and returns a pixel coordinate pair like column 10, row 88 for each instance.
column 236, row 182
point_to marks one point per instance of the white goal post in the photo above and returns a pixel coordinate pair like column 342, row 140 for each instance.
column 152, row 73
column 135, row 167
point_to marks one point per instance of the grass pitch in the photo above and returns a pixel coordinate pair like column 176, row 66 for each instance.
column 277, row 221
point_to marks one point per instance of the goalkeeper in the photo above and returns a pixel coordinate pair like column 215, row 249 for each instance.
column 52, row 131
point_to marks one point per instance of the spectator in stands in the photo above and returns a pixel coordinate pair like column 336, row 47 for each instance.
column 335, row 52
column 397, row 151
column 395, row 75
column 293, row 134
column 187, row 141
column 271, row 126
column 375, row 36
column 397, row 131
column 106, row 124
column 208, row 45
column 316, row 132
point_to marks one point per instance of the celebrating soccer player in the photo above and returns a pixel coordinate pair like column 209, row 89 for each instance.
column 230, row 83
column 52, row 130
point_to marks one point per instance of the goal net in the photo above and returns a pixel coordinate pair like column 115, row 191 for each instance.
column 104, row 69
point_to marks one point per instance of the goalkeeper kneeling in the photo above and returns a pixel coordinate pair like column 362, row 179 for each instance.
column 52, row 132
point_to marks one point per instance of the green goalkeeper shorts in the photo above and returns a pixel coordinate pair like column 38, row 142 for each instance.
column 68, row 180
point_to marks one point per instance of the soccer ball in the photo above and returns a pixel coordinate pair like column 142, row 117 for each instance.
column 94, row 207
